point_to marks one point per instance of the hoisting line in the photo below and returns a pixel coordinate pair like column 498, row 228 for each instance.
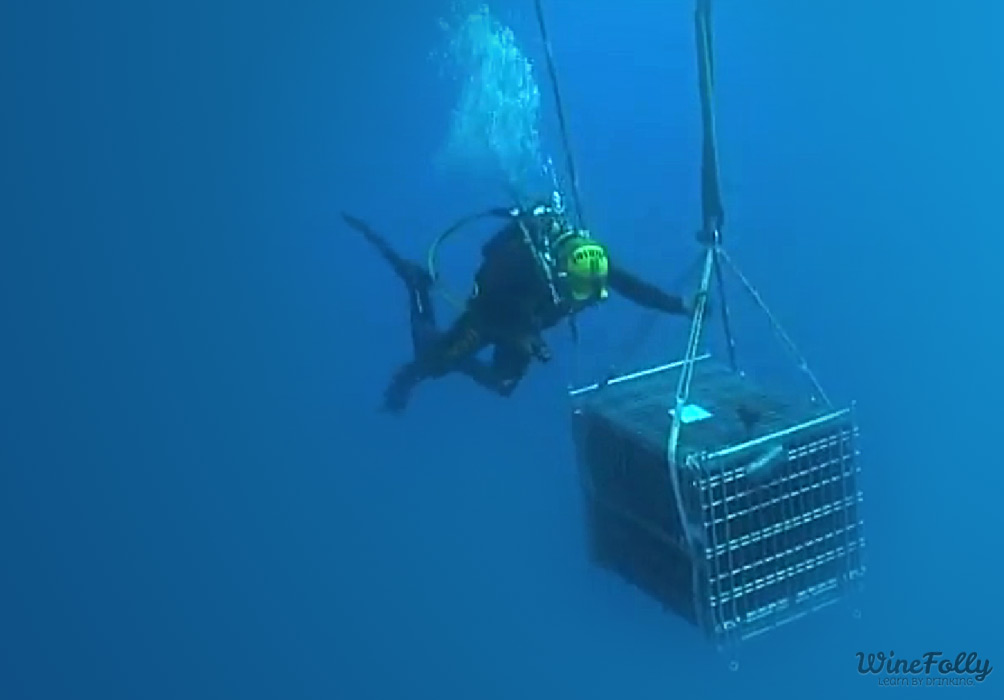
column 711, row 232
column 566, row 144
column 715, row 259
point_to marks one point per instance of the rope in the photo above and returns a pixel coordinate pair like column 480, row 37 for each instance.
column 730, row 341
column 711, row 198
column 569, row 161
column 683, row 392
column 776, row 326
column 713, row 215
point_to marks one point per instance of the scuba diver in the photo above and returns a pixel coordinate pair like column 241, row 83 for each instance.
column 535, row 272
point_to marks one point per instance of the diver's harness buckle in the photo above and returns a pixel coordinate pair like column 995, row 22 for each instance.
column 542, row 243
column 540, row 247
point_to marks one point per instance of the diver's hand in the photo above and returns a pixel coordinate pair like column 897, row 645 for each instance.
column 535, row 346
column 542, row 352
column 678, row 306
column 691, row 308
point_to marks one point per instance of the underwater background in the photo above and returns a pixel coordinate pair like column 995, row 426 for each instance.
column 198, row 495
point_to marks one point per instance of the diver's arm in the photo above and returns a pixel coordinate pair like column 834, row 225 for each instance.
column 645, row 294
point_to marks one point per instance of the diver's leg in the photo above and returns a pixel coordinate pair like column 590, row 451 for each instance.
column 447, row 352
column 486, row 376
column 509, row 365
column 463, row 339
column 424, row 333
column 417, row 280
column 398, row 392
column 411, row 273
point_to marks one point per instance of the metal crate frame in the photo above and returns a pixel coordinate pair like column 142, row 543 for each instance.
column 774, row 523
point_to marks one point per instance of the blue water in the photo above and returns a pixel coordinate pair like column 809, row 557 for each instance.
column 198, row 498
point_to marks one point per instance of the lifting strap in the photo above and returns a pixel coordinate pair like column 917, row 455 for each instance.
column 711, row 236
column 715, row 259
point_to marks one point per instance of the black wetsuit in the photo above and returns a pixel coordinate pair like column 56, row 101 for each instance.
column 509, row 309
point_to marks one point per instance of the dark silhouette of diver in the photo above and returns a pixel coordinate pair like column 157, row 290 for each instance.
column 535, row 272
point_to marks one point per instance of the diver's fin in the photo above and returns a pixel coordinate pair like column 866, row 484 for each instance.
column 413, row 274
column 364, row 228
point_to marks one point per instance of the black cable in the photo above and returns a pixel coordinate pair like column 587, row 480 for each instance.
column 713, row 211
column 570, row 163
column 711, row 198
column 730, row 342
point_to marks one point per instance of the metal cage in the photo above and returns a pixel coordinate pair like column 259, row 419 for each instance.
column 771, row 528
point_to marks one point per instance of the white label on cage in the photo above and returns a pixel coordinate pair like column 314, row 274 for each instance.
column 691, row 413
